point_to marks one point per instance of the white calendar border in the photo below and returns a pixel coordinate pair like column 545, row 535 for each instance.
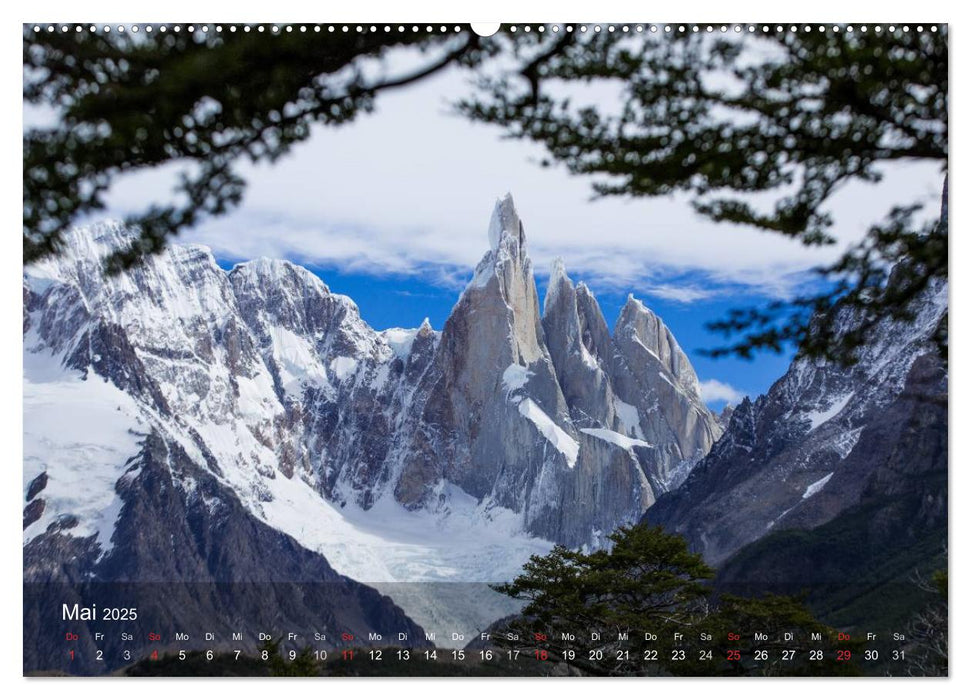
column 15, row 14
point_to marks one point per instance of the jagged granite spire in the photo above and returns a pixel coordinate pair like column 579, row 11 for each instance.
column 578, row 360
column 638, row 326
column 505, row 228
column 473, row 430
column 638, row 384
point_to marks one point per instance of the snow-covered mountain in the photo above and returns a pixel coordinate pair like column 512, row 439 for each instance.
column 399, row 455
column 823, row 439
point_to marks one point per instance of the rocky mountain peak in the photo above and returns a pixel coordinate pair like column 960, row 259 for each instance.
column 500, row 305
column 505, row 228
column 640, row 326
column 574, row 324
column 560, row 285
column 96, row 241
column 506, row 263
column 277, row 271
column 596, row 334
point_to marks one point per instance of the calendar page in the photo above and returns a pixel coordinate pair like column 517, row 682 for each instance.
column 544, row 350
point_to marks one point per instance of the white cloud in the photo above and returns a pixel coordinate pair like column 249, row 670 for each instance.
column 410, row 188
column 686, row 294
column 713, row 390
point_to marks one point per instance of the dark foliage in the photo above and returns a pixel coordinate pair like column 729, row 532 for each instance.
column 204, row 100
column 791, row 115
column 787, row 115
column 648, row 582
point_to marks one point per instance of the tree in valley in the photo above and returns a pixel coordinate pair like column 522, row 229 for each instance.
column 927, row 632
column 300, row 663
column 647, row 597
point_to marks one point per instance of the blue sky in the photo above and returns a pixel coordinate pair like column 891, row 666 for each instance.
column 393, row 210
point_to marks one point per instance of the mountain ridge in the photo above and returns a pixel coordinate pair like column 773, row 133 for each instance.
column 796, row 457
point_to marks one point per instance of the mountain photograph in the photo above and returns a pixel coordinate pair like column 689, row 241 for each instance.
column 296, row 403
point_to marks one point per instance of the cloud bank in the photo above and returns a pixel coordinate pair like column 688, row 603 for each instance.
column 410, row 188
column 713, row 391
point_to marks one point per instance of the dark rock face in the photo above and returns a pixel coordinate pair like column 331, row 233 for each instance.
column 33, row 511
column 189, row 556
column 859, row 565
column 36, row 486
column 725, row 417
column 821, row 440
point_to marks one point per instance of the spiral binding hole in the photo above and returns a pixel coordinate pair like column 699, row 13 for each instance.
column 512, row 29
